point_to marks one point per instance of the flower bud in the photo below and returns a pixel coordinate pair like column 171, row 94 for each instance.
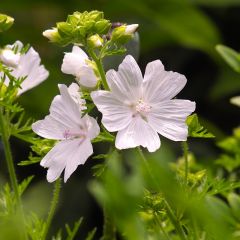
column 52, row 34
column 9, row 58
column 95, row 41
column 131, row 29
column 5, row 22
column 124, row 33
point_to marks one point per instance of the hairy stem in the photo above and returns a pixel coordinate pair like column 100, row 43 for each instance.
column 175, row 221
column 109, row 229
column 100, row 67
column 161, row 227
column 185, row 154
column 4, row 130
column 54, row 202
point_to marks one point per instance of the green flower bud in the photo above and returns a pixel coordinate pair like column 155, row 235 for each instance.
column 95, row 41
column 64, row 29
column 102, row 26
column 96, row 15
column 52, row 35
column 123, row 33
column 5, row 22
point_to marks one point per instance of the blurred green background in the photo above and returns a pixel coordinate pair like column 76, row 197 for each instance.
column 182, row 33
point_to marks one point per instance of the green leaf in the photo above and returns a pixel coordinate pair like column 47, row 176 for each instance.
column 228, row 162
column 195, row 129
column 72, row 233
column 24, row 184
column 104, row 136
column 91, row 234
column 230, row 56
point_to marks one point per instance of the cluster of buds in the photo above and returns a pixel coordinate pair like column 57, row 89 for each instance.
column 78, row 27
column 89, row 28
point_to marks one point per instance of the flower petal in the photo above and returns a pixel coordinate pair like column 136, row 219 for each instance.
column 82, row 152
column 160, row 85
column 72, row 61
column 138, row 133
column 55, row 160
column 116, row 115
column 168, row 118
column 29, row 67
column 127, row 82
column 92, row 126
column 66, row 154
column 86, row 76
column 64, row 115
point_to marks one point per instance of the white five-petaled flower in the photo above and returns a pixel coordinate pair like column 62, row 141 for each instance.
column 74, row 132
column 141, row 107
column 78, row 64
column 23, row 65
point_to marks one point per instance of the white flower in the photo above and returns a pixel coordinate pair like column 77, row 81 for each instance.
column 140, row 108
column 23, row 65
column 74, row 132
column 78, row 64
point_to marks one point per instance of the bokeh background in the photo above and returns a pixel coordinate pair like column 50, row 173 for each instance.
column 182, row 33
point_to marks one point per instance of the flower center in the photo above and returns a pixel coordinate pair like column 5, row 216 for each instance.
column 142, row 107
column 69, row 134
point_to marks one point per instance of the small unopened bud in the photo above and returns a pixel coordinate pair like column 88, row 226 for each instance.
column 130, row 29
column 9, row 58
column 5, row 22
column 51, row 34
column 95, row 41
column 124, row 33
column 235, row 101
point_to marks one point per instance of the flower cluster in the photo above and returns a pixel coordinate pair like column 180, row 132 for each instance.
column 137, row 107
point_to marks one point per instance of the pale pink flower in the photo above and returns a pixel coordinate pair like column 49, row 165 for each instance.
column 139, row 108
column 74, row 131
column 23, row 65
column 79, row 65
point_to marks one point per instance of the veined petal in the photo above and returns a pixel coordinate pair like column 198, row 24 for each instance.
column 127, row 82
column 160, row 85
column 82, row 152
column 168, row 118
column 76, row 94
column 86, row 76
column 29, row 67
column 138, row 133
column 64, row 115
column 92, row 126
column 77, row 50
column 66, row 154
column 116, row 115
column 55, row 160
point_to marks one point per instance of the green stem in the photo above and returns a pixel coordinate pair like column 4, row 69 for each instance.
column 56, row 193
column 170, row 212
column 175, row 221
column 161, row 227
column 99, row 64
column 109, row 229
column 4, row 129
column 185, row 153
